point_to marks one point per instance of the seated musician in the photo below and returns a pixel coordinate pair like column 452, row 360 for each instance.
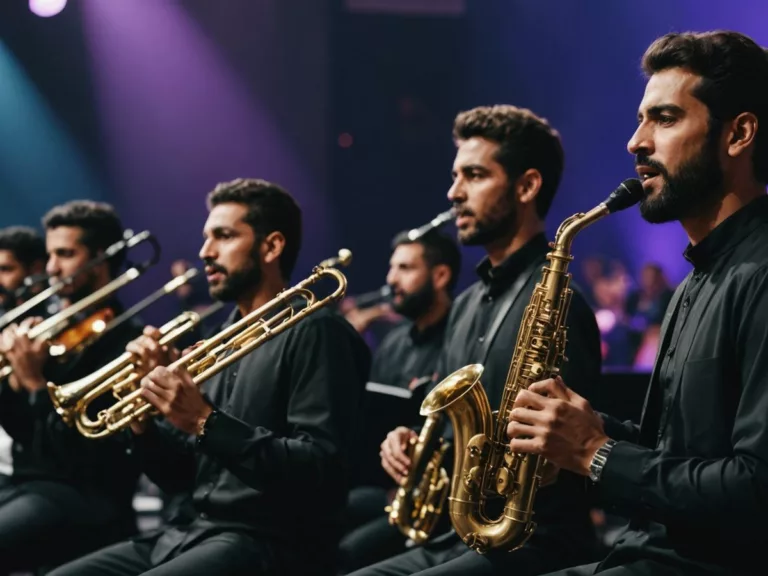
column 22, row 254
column 692, row 477
column 506, row 173
column 68, row 492
column 266, row 452
column 422, row 275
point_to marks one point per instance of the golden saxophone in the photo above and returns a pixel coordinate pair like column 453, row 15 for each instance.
column 418, row 502
column 484, row 467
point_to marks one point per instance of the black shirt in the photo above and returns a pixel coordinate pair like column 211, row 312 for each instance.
column 408, row 355
column 561, row 509
column 46, row 449
column 275, row 460
column 693, row 477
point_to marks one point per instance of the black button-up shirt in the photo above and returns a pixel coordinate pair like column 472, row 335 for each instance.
column 46, row 449
column 407, row 354
column 693, row 477
column 561, row 509
column 275, row 461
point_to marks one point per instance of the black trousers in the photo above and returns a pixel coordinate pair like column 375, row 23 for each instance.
column 447, row 555
column 368, row 537
column 43, row 524
column 225, row 553
column 634, row 568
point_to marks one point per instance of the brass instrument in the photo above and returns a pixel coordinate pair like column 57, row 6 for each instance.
column 129, row 241
column 206, row 360
column 71, row 400
column 436, row 222
column 418, row 502
column 485, row 468
column 49, row 329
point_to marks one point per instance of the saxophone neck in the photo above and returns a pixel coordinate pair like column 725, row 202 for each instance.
column 566, row 232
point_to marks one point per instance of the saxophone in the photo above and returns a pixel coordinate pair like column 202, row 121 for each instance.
column 418, row 502
column 485, row 468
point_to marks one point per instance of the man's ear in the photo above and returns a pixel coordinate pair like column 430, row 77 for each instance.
column 272, row 247
column 441, row 276
column 527, row 186
column 741, row 133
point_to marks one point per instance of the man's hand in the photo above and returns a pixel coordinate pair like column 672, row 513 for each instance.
column 394, row 460
column 561, row 426
column 149, row 353
column 26, row 357
column 176, row 397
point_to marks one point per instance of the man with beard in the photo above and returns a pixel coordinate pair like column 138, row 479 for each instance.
column 506, row 172
column 70, row 493
column 693, row 476
column 265, row 450
column 422, row 275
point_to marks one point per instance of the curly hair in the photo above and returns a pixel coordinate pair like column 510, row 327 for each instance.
column 270, row 209
column 25, row 243
column 525, row 141
column 734, row 78
column 99, row 222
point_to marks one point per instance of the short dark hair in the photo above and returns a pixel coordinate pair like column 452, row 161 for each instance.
column 100, row 224
column 25, row 243
column 734, row 78
column 525, row 141
column 438, row 249
column 270, row 209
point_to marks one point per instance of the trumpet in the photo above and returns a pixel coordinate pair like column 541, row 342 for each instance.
column 71, row 400
column 436, row 222
column 129, row 241
column 205, row 361
column 53, row 328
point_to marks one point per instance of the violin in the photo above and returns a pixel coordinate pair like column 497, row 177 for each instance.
column 75, row 338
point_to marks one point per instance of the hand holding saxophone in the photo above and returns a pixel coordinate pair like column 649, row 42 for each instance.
column 26, row 356
column 394, row 459
column 551, row 420
column 175, row 395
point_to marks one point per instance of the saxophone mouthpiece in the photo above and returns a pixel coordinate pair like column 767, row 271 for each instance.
column 629, row 193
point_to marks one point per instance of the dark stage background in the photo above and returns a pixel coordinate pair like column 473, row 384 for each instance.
column 349, row 104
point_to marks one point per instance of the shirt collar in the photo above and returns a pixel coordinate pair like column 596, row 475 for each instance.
column 514, row 264
column 728, row 234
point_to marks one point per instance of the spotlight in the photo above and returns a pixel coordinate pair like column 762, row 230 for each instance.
column 47, row 8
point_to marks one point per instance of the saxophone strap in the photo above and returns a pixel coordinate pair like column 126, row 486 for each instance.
column 508, row 299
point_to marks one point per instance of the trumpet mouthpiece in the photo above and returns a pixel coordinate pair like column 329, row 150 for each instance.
column 345, row 257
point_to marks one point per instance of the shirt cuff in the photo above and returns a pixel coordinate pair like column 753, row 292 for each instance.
column 224, row 436
column 622, row 477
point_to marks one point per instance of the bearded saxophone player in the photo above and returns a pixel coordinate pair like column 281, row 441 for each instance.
column 485, row 467
column 506, row 172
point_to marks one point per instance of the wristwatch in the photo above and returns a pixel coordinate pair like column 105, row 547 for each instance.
column 599, row 460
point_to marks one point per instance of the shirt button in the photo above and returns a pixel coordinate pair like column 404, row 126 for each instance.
column 670, row 352
column 481, row 339
column 686, row 302
column 203, row 516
